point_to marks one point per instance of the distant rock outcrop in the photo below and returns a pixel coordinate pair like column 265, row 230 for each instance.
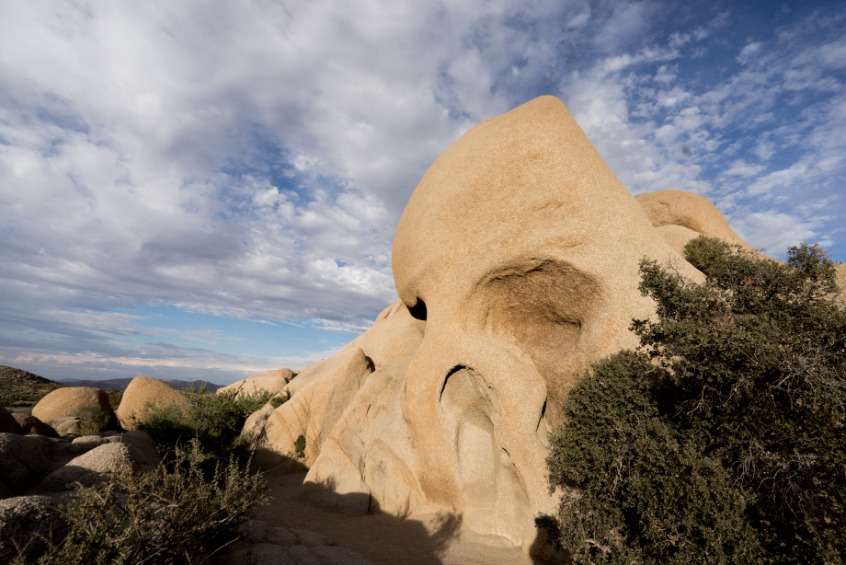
column 517, row 265
column 11, row 374
column 88, row 405
column 143, row 394
column 273, row 381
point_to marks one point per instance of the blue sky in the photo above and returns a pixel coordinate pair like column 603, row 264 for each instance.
column 210, row 189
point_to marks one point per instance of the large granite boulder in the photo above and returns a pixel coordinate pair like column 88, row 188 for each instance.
column 145, row 394
column 517, row 265
column 89, row 405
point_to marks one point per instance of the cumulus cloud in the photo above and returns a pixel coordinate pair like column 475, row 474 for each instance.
column 250, row 159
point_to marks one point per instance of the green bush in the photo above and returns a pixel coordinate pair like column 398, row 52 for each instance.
column 721, row 439
column 175, row 514
column 299, row 446
column 215, row 420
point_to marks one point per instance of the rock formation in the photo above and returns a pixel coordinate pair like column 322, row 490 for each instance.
column 87, row 404
column 272, row 381
column 144, row 393
column 681, row 216
column 516, row 263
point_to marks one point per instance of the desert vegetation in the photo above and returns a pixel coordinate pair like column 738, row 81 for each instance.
column 214, row 420
column 184, row 511
column 721, row 438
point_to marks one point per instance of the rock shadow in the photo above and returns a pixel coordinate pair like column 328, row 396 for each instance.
column 308, row 522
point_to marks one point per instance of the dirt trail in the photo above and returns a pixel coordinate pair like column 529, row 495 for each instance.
column 289, row 530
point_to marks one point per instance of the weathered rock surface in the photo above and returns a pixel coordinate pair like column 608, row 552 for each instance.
column 35, row 463
column 517, row 265
column 26, row 522
column 93, row 466
column 24, row 460
column 71, row 426
column 272, row 381
column 681, row 216
column 141, row 395
column 87, row 404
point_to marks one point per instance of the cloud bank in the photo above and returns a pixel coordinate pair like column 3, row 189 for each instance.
column 249, row 160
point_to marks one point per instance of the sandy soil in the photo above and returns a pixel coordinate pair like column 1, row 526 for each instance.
column 289, row 530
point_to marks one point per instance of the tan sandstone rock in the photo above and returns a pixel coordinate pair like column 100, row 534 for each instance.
column 840, row 270
column 681, row 216
column 89, row 405
column 516, row 262
column 141, row 395
column 272, row 381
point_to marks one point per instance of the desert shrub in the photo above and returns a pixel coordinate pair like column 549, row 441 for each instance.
column 92, row 420
column 721, row 439
column 214, row 419
column 175, row 514
column 300, row 446
column 115, row 397
column 280, row 399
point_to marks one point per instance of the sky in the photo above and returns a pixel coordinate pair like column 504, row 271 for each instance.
column 209, row 189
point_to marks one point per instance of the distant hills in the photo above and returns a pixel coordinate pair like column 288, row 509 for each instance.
column 19, row 376
column 121, row 384
column 12, row 379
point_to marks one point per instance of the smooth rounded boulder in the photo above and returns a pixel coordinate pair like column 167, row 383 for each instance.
column 144, row 395
column 89, row 405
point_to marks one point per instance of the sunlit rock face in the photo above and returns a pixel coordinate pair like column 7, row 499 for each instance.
column 516, row 263
column 681, row 216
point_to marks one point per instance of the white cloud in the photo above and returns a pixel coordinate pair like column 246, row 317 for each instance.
column 774, row 231
column 253, row 157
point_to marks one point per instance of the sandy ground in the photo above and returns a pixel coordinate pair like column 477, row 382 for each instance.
column 289, row 530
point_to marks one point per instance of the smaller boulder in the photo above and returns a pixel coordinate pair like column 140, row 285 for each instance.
column 68, row 426
column 8, row 424
column 134, row 451
column 31, row 425
column 146, row 394
column 272, row 381
column 24, row 460
column 90, row 405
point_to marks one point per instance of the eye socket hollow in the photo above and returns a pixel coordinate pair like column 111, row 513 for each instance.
column 418, row 311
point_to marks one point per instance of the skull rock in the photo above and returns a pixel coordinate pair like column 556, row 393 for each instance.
column 516, row 261
column 523, row 249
